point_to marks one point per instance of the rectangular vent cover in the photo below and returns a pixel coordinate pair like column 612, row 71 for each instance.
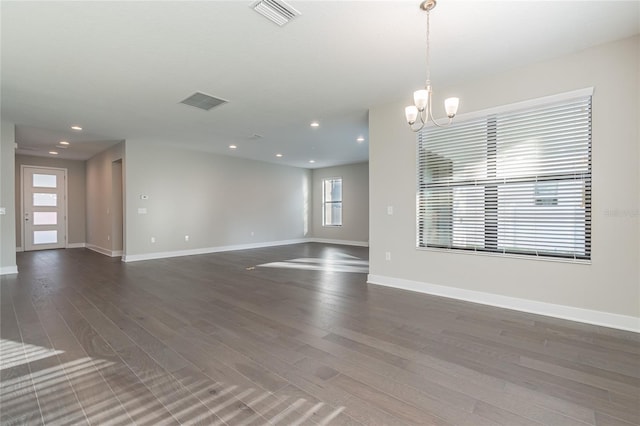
column 202, row 101
column 276, row 11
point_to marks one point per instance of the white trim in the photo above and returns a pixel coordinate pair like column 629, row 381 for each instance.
column 537, row 258
column 606, row 319
column 8, row 270
column 76, row 245
column 70, row 245
column 339, row 242
column 206, row 250
column 102, row 250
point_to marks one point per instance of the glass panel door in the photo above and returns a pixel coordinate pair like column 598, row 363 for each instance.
column 44, row 208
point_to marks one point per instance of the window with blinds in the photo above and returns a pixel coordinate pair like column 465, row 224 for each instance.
column 514, row 181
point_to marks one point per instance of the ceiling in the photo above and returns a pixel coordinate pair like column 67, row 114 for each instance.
column 120, row 69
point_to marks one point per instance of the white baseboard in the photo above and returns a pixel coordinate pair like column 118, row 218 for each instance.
column 102, row 250
column 340, row 242
column 70, row 245
column 8, row 270
column 606, row 319
column 206, row 250
column 76, row 245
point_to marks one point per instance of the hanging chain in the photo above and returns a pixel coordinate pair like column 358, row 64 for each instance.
column 428, row 52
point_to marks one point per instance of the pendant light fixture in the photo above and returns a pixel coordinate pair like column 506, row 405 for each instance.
column 422, row 98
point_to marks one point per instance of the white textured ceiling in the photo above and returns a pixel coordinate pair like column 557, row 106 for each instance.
column 120, row 69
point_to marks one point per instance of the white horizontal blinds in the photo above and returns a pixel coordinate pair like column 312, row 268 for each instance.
column 511, row 182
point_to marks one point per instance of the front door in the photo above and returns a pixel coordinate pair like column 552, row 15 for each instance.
column 44, row 205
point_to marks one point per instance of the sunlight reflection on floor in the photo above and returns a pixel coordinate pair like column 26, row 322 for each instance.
column 13, row 353
column 321, row 264
column 29, row 388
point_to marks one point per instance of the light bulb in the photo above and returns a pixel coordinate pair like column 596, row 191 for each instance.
column 421, row 98
column 411, row 112
column 451, row 106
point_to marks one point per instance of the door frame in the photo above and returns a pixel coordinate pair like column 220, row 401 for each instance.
column 66, row 204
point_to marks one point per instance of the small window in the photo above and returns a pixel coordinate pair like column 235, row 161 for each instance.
column 332, row 202
column 44, row 181
column 45, row 199
column 45, row 237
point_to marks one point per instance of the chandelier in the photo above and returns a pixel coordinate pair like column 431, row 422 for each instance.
column 422, row 98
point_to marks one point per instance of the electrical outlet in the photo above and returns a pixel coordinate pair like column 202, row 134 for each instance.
column 153, row 239
column 186, row 238
column 387, row 255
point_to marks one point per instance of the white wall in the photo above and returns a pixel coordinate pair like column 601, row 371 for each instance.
column 219, row 202
column 355, row 204
column 100, row 206
column 7, row 199
column 608, row 290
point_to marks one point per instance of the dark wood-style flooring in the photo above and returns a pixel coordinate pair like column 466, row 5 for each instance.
column 289, row 335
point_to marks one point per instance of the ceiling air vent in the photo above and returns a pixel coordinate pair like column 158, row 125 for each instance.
column 202, row 101
column 278, row 11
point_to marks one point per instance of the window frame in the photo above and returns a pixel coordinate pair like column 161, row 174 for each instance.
column 486, row 114
column 325, row 202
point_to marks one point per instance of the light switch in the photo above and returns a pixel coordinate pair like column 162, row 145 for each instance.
column 142, row 210
column 389, row 210
column 3, row 210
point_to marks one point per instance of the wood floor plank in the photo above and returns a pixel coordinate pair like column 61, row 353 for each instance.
column 18, row 399
column 125, row 385
column 232, row 403
column 255, row 337
column 389, row 404
column 57, row 399
column 97, row 398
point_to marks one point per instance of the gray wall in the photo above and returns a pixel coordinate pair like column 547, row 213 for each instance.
column 7, row 199
column 355, row 204
column 218, row 201
column 610, row 284
column 75, row 192
column 101, row 207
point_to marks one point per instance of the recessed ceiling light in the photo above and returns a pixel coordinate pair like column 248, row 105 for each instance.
column 360, row 139
column 232, row 147
column 315, row 124
column 76, row 128
column 64, row 143
column 53, row 152
column 278, row 155
column 312, row 161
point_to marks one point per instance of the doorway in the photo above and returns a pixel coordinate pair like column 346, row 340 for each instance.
column 117, row 208
column 44, row 208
